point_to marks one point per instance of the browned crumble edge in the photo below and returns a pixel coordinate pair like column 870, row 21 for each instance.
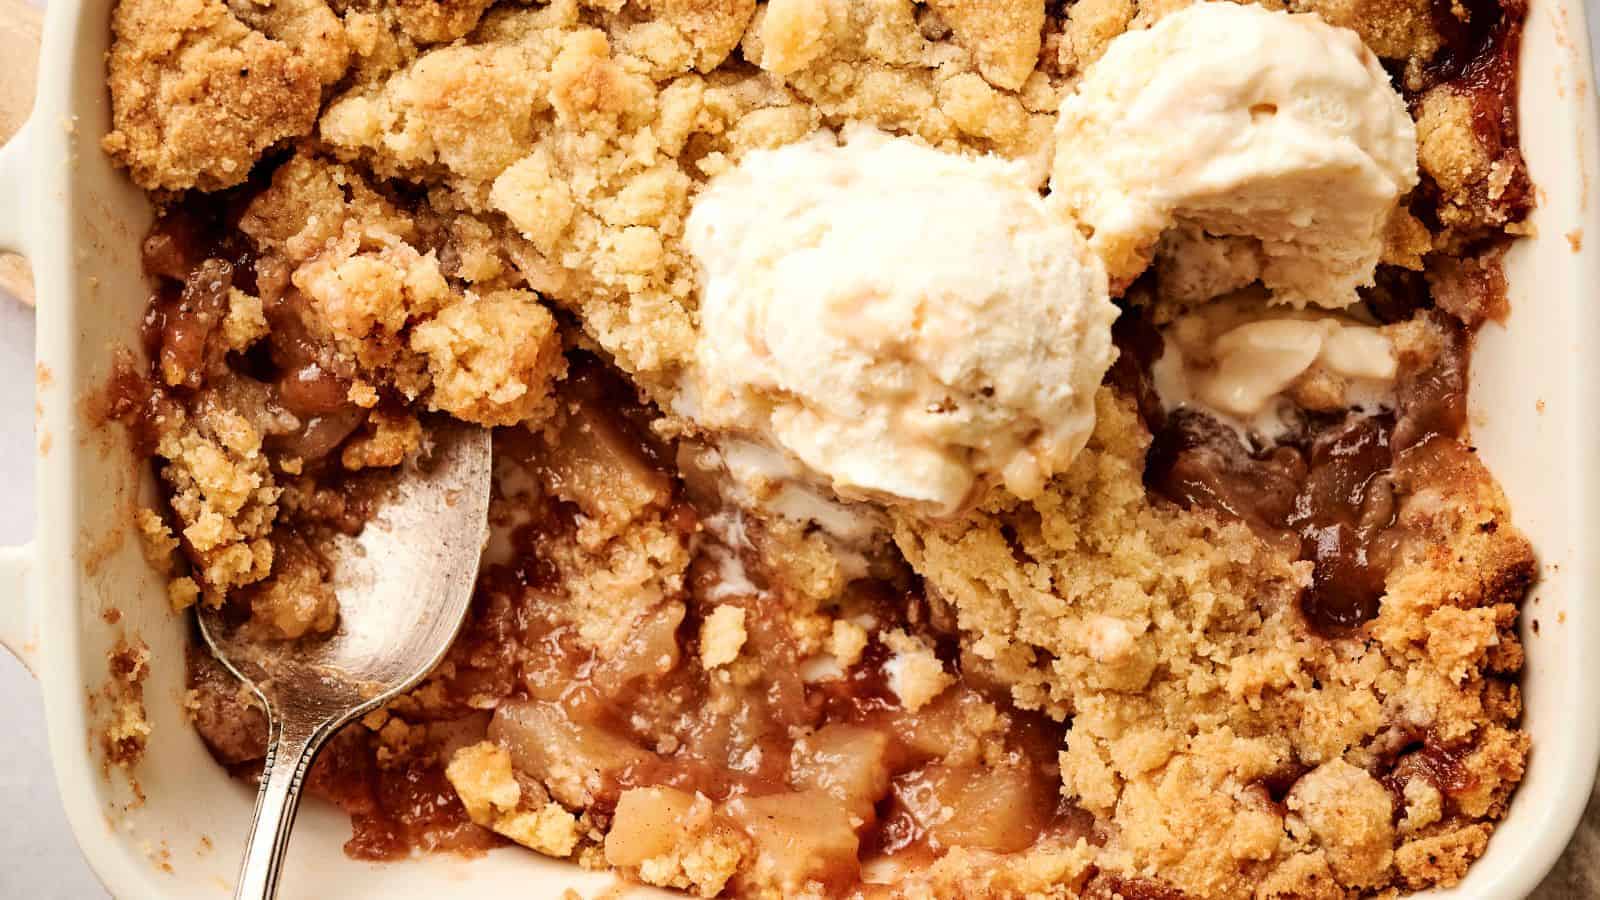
column 123, row 731
column 1191, row 669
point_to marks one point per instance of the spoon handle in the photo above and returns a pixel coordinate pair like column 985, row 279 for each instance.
column 289, row 755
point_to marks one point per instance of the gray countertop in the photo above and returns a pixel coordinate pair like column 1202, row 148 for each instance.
column 38, row 858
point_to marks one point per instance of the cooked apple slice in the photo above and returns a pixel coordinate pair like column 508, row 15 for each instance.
column 804, row 841
column 579, row 762
column 847, row 762
column 1001, row 809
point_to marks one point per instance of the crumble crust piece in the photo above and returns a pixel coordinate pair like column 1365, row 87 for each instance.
column 722, row 636
column 198, row 93
column 483, row 779
column 672, row 840
column 224, row 494
column 126, row 733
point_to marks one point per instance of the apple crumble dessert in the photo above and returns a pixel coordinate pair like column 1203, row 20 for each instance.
column 962, row 448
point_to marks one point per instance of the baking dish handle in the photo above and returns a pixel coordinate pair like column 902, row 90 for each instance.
column 19, row 29
column 19, row 46
column 14, row 188
column 15, row 278
column 18, row 629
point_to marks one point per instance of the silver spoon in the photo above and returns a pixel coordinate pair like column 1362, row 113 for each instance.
column 403, row 585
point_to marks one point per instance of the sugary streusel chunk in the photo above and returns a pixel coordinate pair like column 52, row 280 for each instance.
column 389, row 307
column 1192, row 819
column 623, row 581
column 198, row 94
column 182, row 593
column 1100, row 518
column 1350, row 816
column 482, row 777
column 224, row 496
column 313, row 202
column 1441, row 859
column 951, row 82
column 846, row 640
column 435, row 22
column 1004, row 35
column 709, row 28
column 367, row 297
column 157, row 540
column 915, row 674
column 1402, row 30
column 722, row 635
column 577, row 139
column 386, row 439
column 125, row 731
column 493, row 359
column 1464, row 142
column 673, row 839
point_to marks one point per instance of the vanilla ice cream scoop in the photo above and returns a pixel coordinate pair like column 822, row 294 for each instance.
column 909, row 324
column 1244, row 122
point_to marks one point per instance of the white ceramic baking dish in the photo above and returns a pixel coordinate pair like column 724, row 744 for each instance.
column 1536, row 418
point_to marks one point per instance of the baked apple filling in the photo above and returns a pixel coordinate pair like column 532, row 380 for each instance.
column 935, row 455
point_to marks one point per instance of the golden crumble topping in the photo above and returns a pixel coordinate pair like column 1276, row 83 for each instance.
column 198, row 93
column 224, row 494
column 483, row 779
column 125, row 731
column 1192, row 688
column 673, row 840
column 1191, row 668
column 494, row 359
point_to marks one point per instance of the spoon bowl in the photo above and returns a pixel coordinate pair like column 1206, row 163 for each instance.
column 404, row 584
